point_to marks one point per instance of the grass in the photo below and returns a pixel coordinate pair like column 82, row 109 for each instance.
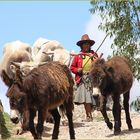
column 6, row 127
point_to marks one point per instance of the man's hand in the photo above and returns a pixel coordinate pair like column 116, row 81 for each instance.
column 80, row 70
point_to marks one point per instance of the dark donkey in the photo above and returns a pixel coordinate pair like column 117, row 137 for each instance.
column 43, row 89
column 113, row 77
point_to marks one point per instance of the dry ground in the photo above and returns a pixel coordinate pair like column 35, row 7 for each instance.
column 91, row 130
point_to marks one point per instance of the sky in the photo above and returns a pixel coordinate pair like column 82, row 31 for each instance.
column 64, row 21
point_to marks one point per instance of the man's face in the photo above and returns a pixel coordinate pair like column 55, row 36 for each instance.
column 86, row 47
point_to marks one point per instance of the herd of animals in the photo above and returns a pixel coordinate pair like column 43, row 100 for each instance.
column 39, row 81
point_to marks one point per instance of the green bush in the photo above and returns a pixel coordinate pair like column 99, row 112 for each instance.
column 5, row 125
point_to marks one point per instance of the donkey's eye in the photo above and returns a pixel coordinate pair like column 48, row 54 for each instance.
column 100, row 79
column 19, row 100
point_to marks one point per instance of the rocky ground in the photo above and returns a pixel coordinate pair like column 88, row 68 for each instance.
column 90, row 130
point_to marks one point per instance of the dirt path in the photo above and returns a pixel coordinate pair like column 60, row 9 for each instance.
column 91, row 130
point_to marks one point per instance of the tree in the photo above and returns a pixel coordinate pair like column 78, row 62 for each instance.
column 120, row 19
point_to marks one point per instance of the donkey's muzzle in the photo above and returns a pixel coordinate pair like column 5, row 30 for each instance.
column 15, row 120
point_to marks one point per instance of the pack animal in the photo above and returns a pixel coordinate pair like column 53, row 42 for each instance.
column 44, row 48
column 21, row 54
column 15, row 51
column 42, row 90
column 113, row 77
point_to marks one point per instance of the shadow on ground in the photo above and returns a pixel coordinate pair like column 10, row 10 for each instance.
column 126, row 131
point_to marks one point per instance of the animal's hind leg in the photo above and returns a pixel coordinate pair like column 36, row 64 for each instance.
column 40, row 124
column 117, row 115
column 56, row 117
column 69, row 114
column 31, row 123
column 126, row 108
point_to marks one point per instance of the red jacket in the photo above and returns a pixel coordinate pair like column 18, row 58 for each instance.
column 77, row 63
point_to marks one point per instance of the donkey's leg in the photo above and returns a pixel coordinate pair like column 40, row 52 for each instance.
column 126, row 108
column 69, row 108
column 119, row 111
column 116, row 113
column 56, row 117
column 31, row 123
column 103, row 102
column 42, row 113
column 24, row 121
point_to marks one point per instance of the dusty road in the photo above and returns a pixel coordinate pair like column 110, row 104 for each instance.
column 91, row 130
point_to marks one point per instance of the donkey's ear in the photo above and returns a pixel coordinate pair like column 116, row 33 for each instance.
column 99, row 61
column 109, row 69
column 18, row 77
column 14, row 66
column 6, row 79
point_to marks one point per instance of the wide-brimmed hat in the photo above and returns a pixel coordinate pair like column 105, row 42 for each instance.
column 85, row 39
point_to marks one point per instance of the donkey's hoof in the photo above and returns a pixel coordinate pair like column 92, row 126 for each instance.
column 117, row 132
column 54, row 138
column 130, row 128
column 110, row 125
column 72, row 138
column 35, row 136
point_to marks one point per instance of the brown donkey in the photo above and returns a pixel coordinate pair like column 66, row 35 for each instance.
column 113, row 77
column 43, row 89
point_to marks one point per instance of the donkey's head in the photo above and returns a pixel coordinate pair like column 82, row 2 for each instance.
column 17, row 98
column 17, row 101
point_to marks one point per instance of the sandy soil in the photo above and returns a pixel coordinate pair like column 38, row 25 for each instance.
column 91, row 130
